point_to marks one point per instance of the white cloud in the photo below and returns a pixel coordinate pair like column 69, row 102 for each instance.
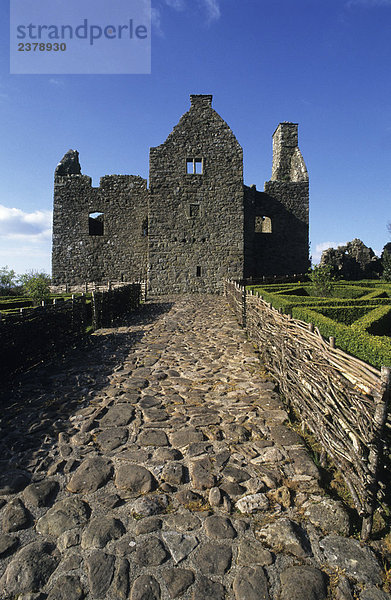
column 368, row 3
column 212, row 10
column 57, row 82
column 176, row 4
column 316, row 256
column 156, row 18
column 17, row 224
column 25, row 239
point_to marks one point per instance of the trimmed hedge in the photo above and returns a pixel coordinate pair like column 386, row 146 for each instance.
column 373, row 350
column 346, row 291
column 377, row 322
column 345, row 314
column 289, row 301
column 297, row 291
column 358, row 315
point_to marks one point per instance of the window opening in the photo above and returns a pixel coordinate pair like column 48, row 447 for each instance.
column 145, row 227
column 198, row 272
column 267, row 225
column 263, row 225
column 194, row 166
column 96, row 223
column 194, row 210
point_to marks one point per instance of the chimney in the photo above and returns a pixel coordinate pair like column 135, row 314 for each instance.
column 285, row 142
column 201, row 100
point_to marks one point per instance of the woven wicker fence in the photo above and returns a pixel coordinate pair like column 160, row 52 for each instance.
column 342, row 400
column 35, row 335
column 111, row 304
column 89, row 286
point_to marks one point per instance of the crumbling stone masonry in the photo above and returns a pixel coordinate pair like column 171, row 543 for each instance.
column 196, row 225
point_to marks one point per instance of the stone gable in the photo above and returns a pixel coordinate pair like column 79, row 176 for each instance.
column 196, row 225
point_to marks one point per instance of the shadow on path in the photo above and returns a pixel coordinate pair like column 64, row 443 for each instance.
column 36, row 405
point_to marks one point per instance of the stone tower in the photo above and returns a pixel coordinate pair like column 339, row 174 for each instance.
column 196, row 204
column 276, row 220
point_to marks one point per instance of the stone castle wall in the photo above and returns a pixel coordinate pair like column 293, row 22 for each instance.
column 196, row 218
column 196, row 225
column 81, row 250
column 276, row 220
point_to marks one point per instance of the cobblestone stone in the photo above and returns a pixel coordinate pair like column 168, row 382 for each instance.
column 123, row 472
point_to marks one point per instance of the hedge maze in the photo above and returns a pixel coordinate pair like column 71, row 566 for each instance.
column 357, row 314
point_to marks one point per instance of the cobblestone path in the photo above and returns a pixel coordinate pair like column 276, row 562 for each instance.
column 158, row 463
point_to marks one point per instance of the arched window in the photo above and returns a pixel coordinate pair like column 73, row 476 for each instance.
column 267, row 225
column 263, row 224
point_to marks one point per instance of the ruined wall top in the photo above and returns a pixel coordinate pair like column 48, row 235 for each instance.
column 288, row 163
column 201, row 100
column 69, row 164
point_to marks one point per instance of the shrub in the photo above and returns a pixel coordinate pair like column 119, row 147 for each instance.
column 322, row 280
column 36, row 285
column 7, row 280
column 387, row 266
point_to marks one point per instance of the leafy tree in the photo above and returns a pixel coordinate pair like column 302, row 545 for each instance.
column 7, row 279
column 386, row 259
column 36, row 285
column 322, row 279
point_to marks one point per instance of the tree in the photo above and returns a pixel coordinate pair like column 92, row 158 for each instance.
column 322, row 280
column 36, row 285
column 7, row 279
column 386, row 259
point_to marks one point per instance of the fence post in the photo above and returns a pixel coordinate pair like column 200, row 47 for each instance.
column 332, row 342
column 244, row 308
column 94, row 312
column 375, row 453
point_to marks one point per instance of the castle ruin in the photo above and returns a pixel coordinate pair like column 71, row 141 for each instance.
column 197, row 223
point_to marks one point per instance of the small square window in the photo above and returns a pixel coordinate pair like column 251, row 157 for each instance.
column 194, row 210
column 194, row 166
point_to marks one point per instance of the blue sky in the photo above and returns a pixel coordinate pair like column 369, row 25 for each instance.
column 324, row 65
